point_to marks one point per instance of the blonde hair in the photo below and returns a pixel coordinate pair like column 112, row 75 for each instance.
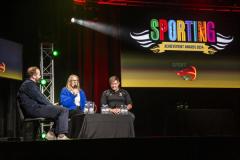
column 68, row 84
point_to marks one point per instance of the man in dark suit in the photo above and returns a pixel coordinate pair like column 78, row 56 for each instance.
column 35, row 104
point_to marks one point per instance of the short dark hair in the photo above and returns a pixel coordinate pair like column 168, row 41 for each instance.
column 32, row 70
column 113, row 78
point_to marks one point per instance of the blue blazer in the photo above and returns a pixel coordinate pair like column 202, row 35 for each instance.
column 67, row 99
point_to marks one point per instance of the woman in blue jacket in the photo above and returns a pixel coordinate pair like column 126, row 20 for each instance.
column 72, row 96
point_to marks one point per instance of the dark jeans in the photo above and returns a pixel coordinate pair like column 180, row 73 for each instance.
column 58, row 114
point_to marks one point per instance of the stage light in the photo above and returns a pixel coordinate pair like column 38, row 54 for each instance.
column 43, row 135
column 97, row 26
column 55, row 53
column 72, row 20
column 43, row 82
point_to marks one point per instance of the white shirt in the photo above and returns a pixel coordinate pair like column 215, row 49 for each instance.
column 77, row 100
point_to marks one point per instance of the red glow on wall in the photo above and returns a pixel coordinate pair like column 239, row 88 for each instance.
column 79, row 2
column 193, row 5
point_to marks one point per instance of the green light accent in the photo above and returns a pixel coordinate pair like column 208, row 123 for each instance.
column 154, row 34
column 55, row 53
column 43, row 135
column 43, row 82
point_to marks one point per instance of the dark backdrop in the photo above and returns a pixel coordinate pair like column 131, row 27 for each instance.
column 95, row 56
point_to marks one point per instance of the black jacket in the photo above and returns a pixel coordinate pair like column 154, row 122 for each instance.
column 30, row 97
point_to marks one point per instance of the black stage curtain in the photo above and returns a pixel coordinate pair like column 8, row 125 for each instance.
column 9, row 122
column 92, row 55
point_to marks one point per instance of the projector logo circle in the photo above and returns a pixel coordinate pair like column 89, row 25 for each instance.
column 2, row 67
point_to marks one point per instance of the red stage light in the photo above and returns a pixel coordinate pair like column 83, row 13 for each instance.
column 79, row 2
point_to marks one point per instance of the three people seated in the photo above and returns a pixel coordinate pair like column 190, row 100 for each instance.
column 72, row 101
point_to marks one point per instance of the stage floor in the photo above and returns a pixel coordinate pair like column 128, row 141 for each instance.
column 191, row 148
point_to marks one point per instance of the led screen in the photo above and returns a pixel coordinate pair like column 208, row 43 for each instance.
column 171, row 48
column 10, row 59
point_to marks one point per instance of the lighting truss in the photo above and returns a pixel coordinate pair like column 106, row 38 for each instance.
column 47, row 70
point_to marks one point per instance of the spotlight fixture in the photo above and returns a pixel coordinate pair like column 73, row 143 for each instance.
column 72, row 20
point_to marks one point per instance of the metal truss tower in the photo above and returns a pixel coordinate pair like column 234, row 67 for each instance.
column 47, row 70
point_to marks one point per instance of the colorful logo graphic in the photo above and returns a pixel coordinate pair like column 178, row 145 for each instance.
column 189, row 73
column 2, row 67
column 179, row 35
